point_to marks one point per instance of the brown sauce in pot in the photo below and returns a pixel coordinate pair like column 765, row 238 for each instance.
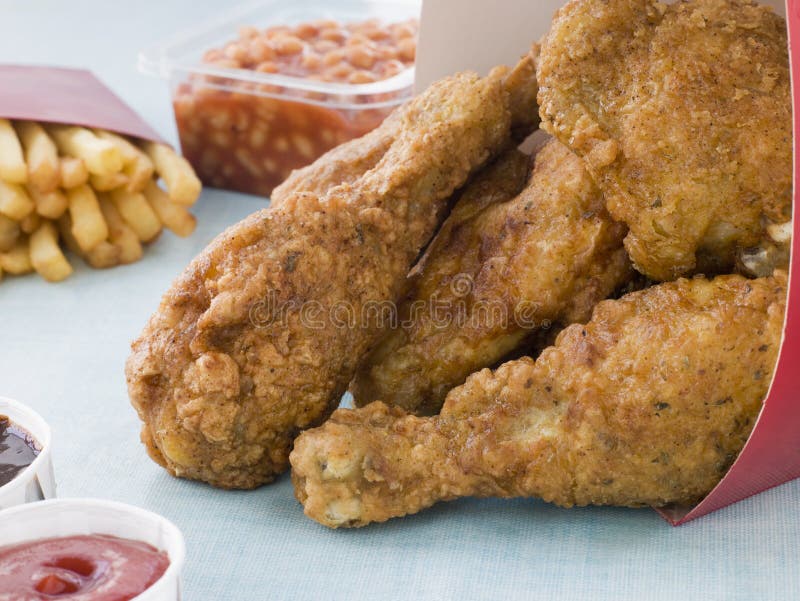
column 18, row 449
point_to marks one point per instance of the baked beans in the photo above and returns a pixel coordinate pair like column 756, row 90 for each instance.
column 248, row 136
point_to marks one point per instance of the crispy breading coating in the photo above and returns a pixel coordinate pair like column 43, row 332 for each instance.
column 507, row 263
column 343, row 164
column 348, row 161
column 648, row 404
column 683, row 114
column 256, row 340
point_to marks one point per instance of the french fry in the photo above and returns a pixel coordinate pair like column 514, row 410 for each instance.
column 102, row 256
column 137, row 166
column 17, row 259
column 95, row 191
column 88, row 226
column 137, row 213
column 138, row 174
column 65, row 229
column 127, row 150
column 12, row 163
column 183, row 186
column 174, row 216
column 120, row 233
column 104, row 183
column 50, row 205
column 14, row 201
column 40, row 155
column 101, row 156
column 9, row 233
column 73, row 172
column 46, row 256
column 30, row 224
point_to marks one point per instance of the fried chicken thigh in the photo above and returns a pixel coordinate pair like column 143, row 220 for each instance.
column 504, row 265
column 648, row 404
column 254, row 342
column 683, row 115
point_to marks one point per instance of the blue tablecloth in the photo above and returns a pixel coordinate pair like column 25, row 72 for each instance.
column 62, row 350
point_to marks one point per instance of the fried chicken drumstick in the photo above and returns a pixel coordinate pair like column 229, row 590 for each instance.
column 248, row 346
column 683, row 114
column 504, row 265
column 348, row 161
column 648, row 404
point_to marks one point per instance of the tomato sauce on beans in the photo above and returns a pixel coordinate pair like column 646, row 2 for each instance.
column 249, row 136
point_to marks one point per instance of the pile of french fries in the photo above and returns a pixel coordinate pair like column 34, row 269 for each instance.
column 95, row 191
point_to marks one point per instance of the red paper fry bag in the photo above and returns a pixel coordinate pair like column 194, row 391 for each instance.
column 71, row 96
column 452, row 39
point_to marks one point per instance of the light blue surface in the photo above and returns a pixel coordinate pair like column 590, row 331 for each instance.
column 62, row 350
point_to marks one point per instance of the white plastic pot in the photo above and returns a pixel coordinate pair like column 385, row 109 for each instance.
column 37, row 481
column 75, row 517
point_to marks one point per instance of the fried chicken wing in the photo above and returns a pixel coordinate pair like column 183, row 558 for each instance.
column 683, row 115
column 254, row 342
column 504, row 265
column 646, row 405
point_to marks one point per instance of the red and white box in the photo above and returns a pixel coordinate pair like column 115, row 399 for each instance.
column 454, row 38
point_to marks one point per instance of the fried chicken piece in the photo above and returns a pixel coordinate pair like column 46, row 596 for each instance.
column 683, row 114
column 347, row 162
column 253, row 343
column 646, row 405
column 504, row 265
column 344, row 164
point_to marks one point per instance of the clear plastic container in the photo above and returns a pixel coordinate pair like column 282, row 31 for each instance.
column 246, row 130
column 37, row 481
column 74, row 517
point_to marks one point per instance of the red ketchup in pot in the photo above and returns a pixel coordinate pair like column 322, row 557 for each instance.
column 94, row 567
